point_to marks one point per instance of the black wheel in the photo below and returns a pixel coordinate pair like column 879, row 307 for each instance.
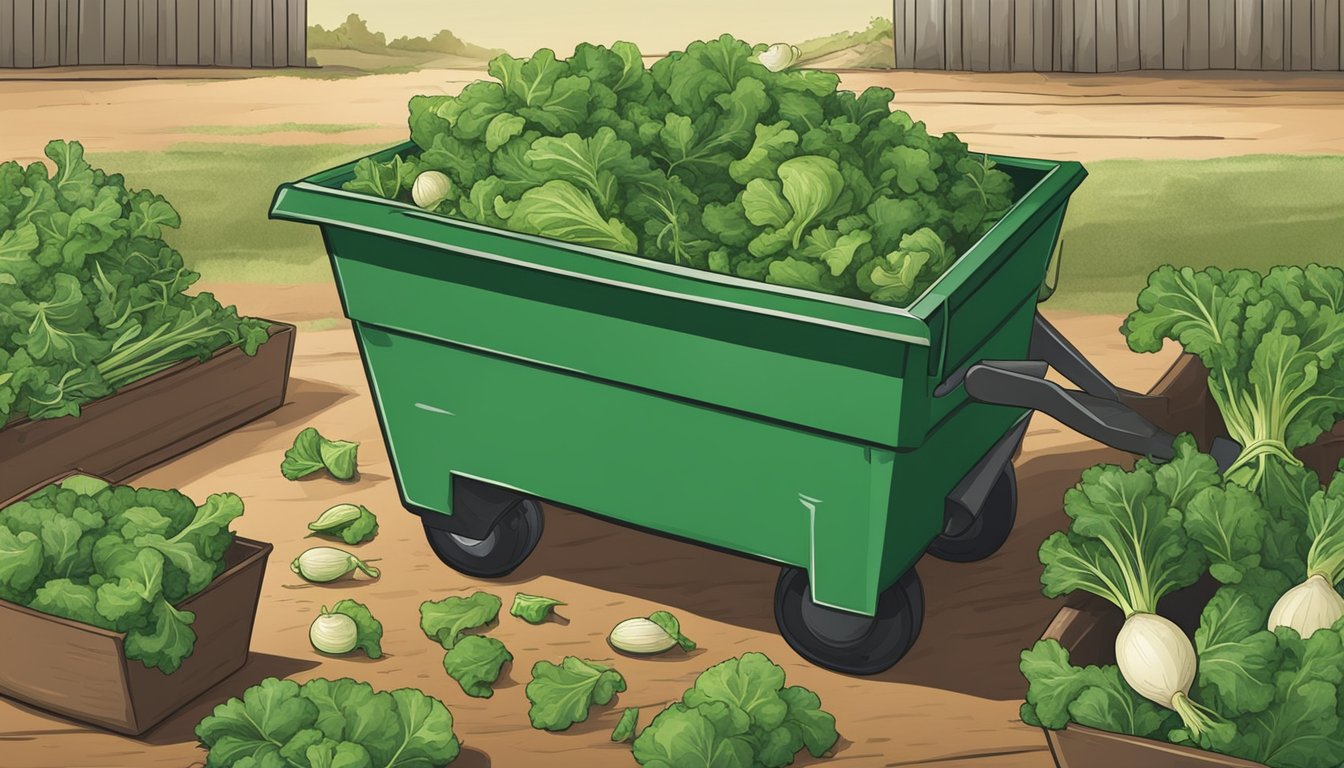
column 848, row 642
column 508, row 544
column 991, row 528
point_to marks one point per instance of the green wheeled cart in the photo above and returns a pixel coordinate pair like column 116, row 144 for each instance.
column 839, row 438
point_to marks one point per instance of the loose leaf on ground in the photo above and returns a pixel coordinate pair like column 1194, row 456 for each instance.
column 533, row 609
column 445, row 620
column 561, row 694
column 625, row 728
column 312, row 453
column 351, row 523
column 475, row 663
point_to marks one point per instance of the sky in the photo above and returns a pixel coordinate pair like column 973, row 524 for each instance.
column 522, row 26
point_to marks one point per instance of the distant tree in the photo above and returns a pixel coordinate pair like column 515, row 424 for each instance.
column 354, row 34
column 444, row 42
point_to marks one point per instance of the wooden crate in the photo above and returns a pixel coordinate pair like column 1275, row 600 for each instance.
column 81, row 671
column 152, row 420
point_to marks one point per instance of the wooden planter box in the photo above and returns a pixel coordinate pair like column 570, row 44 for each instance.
column 82, row 672
column 152, row 420
column 1087, row 625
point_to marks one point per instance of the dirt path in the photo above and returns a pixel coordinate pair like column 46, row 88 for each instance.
column 1060, row 116
column 952, row 702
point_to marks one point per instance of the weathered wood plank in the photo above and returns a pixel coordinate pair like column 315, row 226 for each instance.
column 205, row 32
column 168, row 33
column 1108, row 59
column 1151, row 40
column 69, row 32
column 1000, row 35
column 1299, row 53
column 1197, row 36
column 1249, row 25
column 39, row 33
column 114, row 31
column 952, row 42
column 1222, row 35
column 241, row 30
column 930, row 40
column 1175, row 30
column 262, row 39
column 282, row 34
column 149, row 32
column 1325, row 35
column 1272, row 35
column 975, row 25
column 903, row 55
column 7, row 34
column 1043, row 35
column 1064, row 33
column 1127, row 35
column 188, row 33
column 90, row 32
column 298, row 32
column 50, row 32
column 1084, row 36
column 1023, row 50
column 130, row 33
column 224, row 33
column 20, row 23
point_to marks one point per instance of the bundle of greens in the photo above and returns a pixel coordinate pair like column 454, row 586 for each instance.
column 707, row 159
column 91, row 297
column 116, row 557
column 328, row 723
column 1274, row 347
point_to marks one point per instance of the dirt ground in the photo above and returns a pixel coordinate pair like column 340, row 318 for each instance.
column 1083, row 117
column 951, row 702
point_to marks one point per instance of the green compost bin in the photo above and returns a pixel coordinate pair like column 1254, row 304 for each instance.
column 782, row 424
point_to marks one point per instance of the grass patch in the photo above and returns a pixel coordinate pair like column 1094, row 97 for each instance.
column 1128, row 218
column 223, row 192
column 1131, row 216
column 256, row 130
column 878, row 33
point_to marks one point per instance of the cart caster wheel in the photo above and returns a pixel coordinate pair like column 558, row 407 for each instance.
column 847, row 642
column 509, row 543
column 990, row 529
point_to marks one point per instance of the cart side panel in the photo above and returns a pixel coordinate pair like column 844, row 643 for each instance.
column 721, row 478
column 989, row 316
column 778, row 367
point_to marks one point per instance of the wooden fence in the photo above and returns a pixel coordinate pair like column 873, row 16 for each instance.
column 222, row 33
column 1118, row 35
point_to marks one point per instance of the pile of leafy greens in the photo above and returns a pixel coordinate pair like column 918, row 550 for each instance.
column 116, row 557
column 706, row 159
column 91, row 297
column 739, row 714
column 326, row 724
column 1281, row 695
column 1274, row 347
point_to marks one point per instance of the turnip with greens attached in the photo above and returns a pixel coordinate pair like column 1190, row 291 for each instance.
column 1127, row 544
column 1315, row 603
column 324, row 564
